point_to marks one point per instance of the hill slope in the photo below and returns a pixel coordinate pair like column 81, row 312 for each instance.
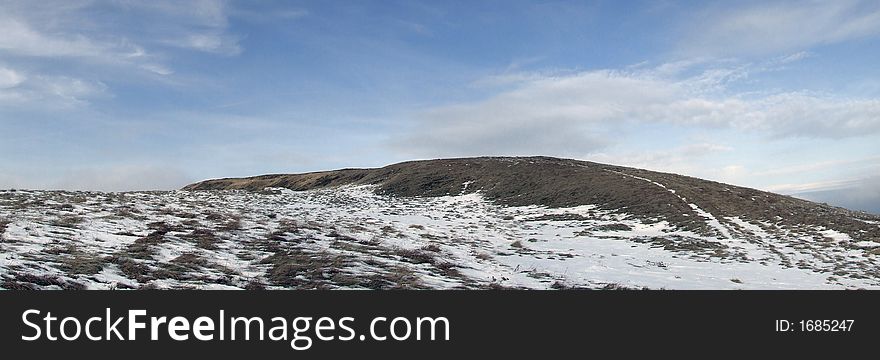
column 686, row 202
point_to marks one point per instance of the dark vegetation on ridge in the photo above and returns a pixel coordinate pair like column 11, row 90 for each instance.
column 557, row 182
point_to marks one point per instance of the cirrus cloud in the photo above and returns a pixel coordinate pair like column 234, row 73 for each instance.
column 770, row 27
column 582, row 112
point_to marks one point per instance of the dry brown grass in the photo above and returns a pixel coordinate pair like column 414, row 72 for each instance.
column 67, row 221
column 3, row 225
column 83, row 263
column 204, row 238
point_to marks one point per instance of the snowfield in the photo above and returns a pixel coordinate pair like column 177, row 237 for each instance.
column 352, row 238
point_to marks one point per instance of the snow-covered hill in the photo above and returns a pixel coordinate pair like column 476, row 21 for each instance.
column 354, row 237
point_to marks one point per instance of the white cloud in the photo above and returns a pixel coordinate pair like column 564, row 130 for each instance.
column 157, row 69
column 211, row 42
column 93, row 32
column 21, row 39
column 823, row 166
column 791, row 58
column 9, row 78
column 696, row 158
column 681, row 158
column 200, row 25
column 579, row 113
column 71, row 89
column 778, row 27
column 100, row 42
column 733, row 171
column 44, row 91
column 24, row 41
column 205, row 13
column 808, row 115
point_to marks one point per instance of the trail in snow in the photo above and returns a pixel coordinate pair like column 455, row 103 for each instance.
column 711, row 220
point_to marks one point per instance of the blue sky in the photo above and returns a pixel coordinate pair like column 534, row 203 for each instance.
column 125, row 95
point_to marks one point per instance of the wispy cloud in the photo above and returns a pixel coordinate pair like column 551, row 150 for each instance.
column 21, row 38
column 19, row 88
column 10, row 78
column 578, row 113
column 101, row 42
column 815, row 166
column 206, row 13
column 210, row 41
column 774, row 27
column 791, row 58
column 681, row 159
column 200, row 25
column 96, row 32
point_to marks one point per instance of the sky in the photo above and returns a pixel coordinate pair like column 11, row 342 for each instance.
column 122, row 95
